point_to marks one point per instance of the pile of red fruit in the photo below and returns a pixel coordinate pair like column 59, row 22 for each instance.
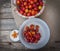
column 31, row 33
column 29, row 7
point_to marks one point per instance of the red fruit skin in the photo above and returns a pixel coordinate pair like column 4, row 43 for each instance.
column 37, row 27
column 30, row 6
column 35, row 0
column 37, row 4
column 34, row 5
column 21, row 12
column 32, row 40
column 28, row 14
column 31, row 1
column 26, row 28
column 35, row 8
column 25, row 3
column 37, row 36
column 41, row 3
column 18, row 1
column 23, row 8
column 31, row 27
column 26, row 7
column 25, row 14
column 40, row 0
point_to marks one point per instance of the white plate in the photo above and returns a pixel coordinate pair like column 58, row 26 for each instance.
column 44, row 30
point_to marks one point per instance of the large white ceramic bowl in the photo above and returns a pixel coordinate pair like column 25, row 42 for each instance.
column 41, row 11
column 44, row 30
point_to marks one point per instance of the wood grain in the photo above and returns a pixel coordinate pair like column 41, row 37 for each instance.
column 7, row 24
column 13, row 46
column 6, row 15
column 5, row 10
column 4, row 36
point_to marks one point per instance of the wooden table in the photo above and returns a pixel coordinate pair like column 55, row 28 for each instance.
column 51, row 15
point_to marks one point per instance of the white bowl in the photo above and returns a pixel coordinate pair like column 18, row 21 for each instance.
column 41, row 11
column 44, row 30
column 14, row 39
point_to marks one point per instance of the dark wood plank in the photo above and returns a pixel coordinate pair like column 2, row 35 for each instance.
column 6, row 24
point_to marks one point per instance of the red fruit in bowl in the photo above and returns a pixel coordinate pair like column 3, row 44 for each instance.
column 41, row 3
column 25, row 14
column 33, row 12
column 25, row 3
column 35, row 0
column 21, row 11
column 30, row 6
column 27, row 39
column 30, row 11
column 26, row 10
column 35, row 41
column 18, row 2
column 34, row 5
column 32, row 40
column 26, row 7
column 39, row 7
column 37, row 4
column 36, row 12
column 37, row 30
column 26, row 28
column 37, row 36
column 37, row 27
column 35, row 8
column 23, row 8
column 28, row 14
column 22, row 5
column 40, row 0
column 25, row 35
column 24, row 32
column 31, row 2
column 31, row 27
column 29, row 33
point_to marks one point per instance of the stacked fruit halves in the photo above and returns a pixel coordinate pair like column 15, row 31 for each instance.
column 31, row 33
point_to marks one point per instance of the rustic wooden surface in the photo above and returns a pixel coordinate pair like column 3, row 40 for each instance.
column 7, row 24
